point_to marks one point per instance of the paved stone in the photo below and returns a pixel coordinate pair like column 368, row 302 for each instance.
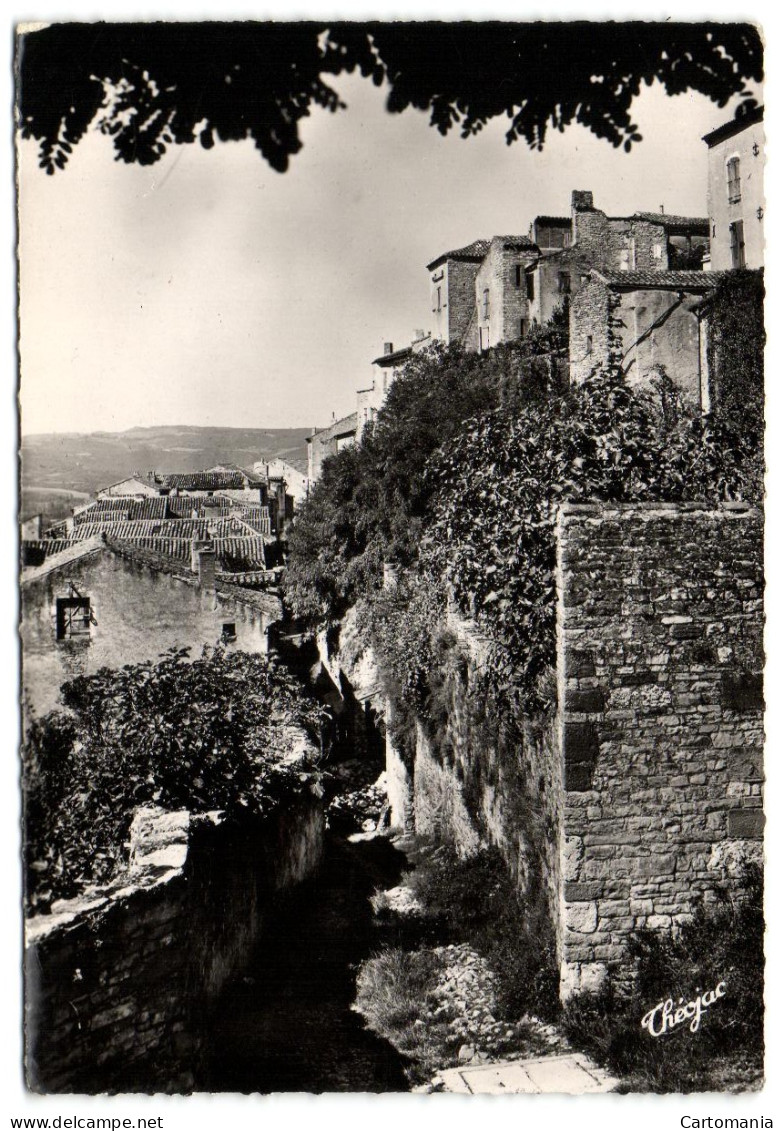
column 571, row 1074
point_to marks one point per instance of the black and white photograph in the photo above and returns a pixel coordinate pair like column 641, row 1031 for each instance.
column 390, row 600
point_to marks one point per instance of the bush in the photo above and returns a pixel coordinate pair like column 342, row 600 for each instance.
column 723, row 942
column 371, row 501
column 199, row 735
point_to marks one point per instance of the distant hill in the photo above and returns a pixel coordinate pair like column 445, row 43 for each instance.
column 58, row 467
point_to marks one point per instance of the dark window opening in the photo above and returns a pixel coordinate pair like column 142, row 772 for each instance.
column 73, row 618
column 486, row 304
column 229, row 630
column 519, row 274
column 525, row 327
column 737, row 244
column 589, row 344
column 564, row 283
column 529, row 286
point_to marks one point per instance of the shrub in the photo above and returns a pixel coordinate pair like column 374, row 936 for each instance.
column 203, row 734
column 372, row 500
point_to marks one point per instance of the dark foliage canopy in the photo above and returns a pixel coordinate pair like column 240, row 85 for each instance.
column 150, row 85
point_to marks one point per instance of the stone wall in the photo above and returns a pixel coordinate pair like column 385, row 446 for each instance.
column 483, row 782
column 120, row 983
column 673, row 344
column 507, row 301
column 660, row 666
column 590, row 337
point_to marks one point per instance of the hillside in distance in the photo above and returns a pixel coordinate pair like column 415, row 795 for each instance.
column 58, row 469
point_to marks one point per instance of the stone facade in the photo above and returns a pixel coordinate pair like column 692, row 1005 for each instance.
column 643, row 321
column 660, row 668
column 502, row 291
column 328, row 442
column 138, row 611
column 119, row 984
column 452, row 297
column 736, row 199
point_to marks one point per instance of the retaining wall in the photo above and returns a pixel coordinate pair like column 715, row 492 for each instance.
column 119, row 984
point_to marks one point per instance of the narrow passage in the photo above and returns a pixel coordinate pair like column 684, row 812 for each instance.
column 286, row 1024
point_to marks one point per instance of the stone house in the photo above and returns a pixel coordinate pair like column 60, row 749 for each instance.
column 296, row 481
column 590, row 240
column 329, row 441
column 502, row 293
column 494, row 291
column 452, row 290
column 736, row 161
column 104, row 602
column 643, row 320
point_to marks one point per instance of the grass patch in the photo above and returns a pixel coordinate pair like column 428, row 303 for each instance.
column 433, row 1003
column 476, row 901
column 724, row 942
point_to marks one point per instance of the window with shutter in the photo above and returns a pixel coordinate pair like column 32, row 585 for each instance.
column 733, row 180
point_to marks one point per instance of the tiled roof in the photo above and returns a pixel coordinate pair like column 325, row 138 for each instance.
column 472, row 251
column 184, row 506
column 516, row 242
column 122, row 507
column 391, row 358
column 73, row 552
column 34, row 552
column 342, row 427
column 729, row 129
column 208, row 480
column 697, row 225
column 171, row 528
column 554, row 221
column 672, row 280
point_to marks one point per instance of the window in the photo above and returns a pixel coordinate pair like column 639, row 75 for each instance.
column 525, row 327
column 519, row 274
column 229, row 631
column 529, row 286
column 438, row 299
column 737, row 244
column 73, row 618
column 486, row 304
column 484, row 338
column 733, row 180
column 564, row 283
column 656, row 251
column 589, row 344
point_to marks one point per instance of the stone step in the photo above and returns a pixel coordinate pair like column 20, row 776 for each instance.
column 570, row 1074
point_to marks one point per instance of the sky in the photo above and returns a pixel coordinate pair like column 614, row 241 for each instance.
column 209, row 289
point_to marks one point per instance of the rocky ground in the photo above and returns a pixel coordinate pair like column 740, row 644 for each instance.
column 359, row 796
column 437, row 1004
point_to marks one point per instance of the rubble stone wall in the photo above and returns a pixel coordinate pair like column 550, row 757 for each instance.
column 119, row 983
column 660, row 653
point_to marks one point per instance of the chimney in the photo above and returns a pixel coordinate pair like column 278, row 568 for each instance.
column 582, row 200
column 203, row 562
column 388, row 348
column 661, row 209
